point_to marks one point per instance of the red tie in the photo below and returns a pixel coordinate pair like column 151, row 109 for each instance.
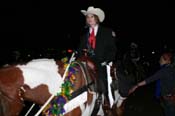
column 92, row 39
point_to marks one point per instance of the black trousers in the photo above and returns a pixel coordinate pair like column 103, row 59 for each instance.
column 102, row 83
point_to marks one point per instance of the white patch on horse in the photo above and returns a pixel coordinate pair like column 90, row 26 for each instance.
column 118, row 98
column 75, row 102
column 42, row 71
column 89, row 108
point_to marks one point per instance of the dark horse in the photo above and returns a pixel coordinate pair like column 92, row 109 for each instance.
column 37, row 80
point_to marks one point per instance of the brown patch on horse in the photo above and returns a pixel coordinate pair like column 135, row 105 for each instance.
column 11, row 80
column 39, row 94
column 120, row 110
column 75, row 112
column 80, row 80
column 89, row 98
column 9, row 107
column 61, row 67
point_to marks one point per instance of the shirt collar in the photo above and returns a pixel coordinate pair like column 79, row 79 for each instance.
column 95, row 29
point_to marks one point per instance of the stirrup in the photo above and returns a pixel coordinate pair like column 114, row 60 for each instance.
column 99, row 100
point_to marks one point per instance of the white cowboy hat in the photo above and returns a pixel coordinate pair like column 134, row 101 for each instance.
column 96, row 11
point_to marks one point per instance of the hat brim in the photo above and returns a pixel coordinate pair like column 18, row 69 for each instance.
column 97, row 12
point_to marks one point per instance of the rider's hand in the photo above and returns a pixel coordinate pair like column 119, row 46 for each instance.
column 103, row 63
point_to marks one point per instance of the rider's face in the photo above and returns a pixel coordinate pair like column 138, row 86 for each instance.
column 91, row 20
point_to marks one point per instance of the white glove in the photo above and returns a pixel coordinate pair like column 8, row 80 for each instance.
column 103, row 63
column 110, row 63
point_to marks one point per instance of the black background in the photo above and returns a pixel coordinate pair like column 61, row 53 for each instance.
column 42, row 24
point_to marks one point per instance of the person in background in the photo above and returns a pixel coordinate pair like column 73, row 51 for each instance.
column 133, row 63
column 166, row 76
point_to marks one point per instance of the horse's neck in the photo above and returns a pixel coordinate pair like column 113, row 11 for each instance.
column 85, row 72
column 81, row 76
column 90, row 76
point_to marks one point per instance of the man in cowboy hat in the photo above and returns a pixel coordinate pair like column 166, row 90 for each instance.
column 99, row 43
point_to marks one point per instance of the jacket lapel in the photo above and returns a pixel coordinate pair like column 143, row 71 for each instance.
column 98, row 37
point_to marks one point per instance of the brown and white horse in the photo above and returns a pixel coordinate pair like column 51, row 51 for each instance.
column 31, row 81
column 38, row 79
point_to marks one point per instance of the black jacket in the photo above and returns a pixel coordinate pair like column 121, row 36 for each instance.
column 105, row 45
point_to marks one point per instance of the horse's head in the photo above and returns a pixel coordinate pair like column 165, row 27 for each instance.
column 34, row 81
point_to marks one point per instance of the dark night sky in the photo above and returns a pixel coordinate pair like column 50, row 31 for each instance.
column 146, row 22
